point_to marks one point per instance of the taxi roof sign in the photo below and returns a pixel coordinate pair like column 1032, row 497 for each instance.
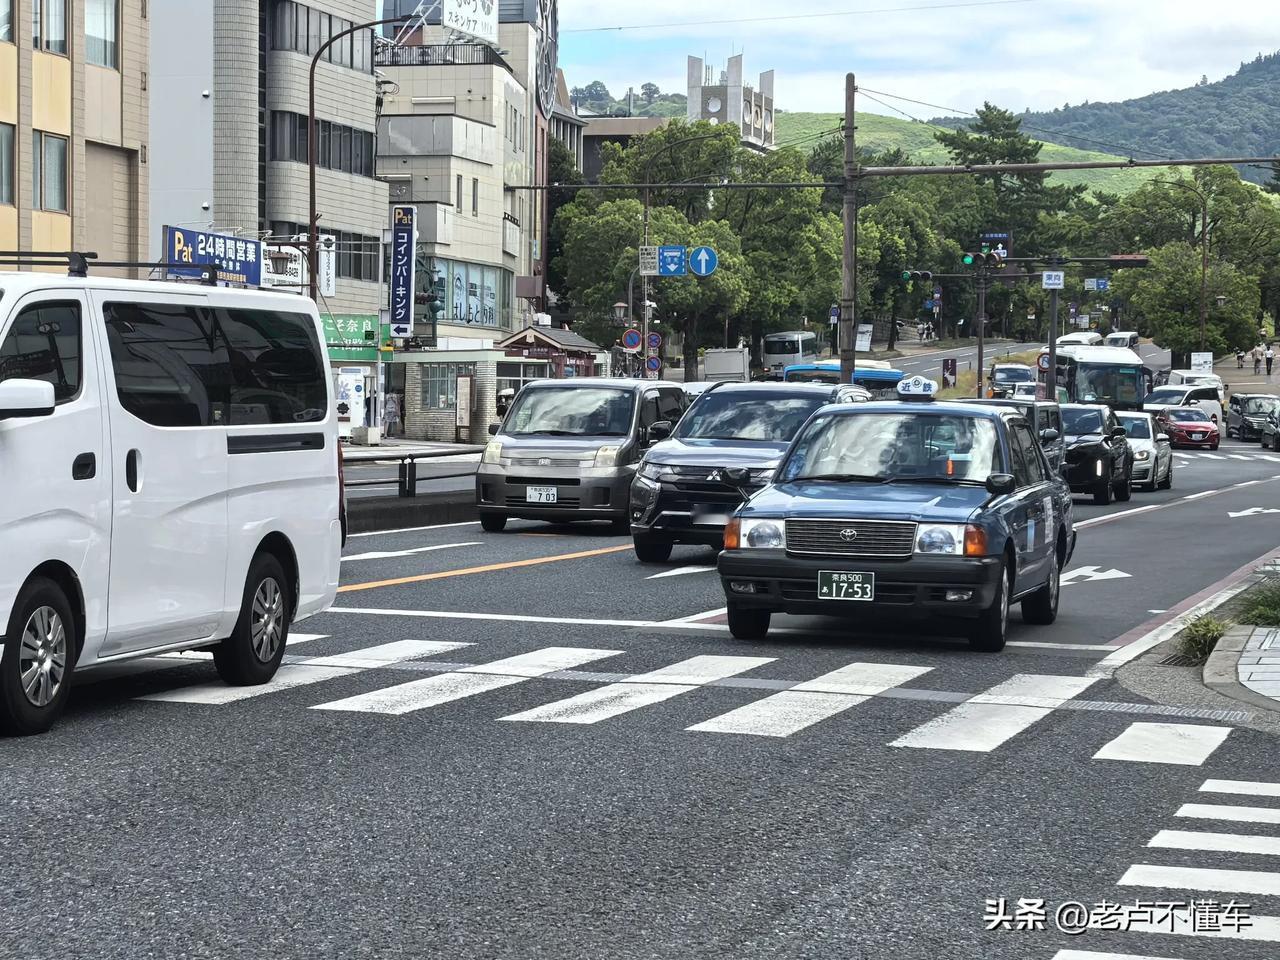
column 917, row 388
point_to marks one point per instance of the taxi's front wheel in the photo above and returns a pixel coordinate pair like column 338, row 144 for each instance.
column 746, row 624
column 988, row 632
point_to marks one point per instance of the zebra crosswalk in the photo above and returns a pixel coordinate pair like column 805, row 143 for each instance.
column 1205, row 883
column 1187, row 456
column 972, row 722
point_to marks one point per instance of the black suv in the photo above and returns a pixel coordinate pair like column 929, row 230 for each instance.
column 1247, row 414
column 680, row 494
column 1099, row 458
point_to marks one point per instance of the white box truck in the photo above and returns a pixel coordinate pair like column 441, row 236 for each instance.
column 727, row 365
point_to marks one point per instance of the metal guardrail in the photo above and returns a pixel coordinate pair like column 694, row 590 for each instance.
column 407, row 469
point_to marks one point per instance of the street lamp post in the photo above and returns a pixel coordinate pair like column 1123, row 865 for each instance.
column 313, row 255
column 1204, row 249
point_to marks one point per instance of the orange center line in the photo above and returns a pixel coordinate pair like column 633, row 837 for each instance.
column 487, row 568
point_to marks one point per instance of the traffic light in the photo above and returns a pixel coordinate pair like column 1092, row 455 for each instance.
column 909, row 275
column 985, row 258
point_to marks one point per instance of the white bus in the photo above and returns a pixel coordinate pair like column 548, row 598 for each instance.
column 781, row 350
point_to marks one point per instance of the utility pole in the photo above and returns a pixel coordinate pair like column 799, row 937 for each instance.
column 984, row 283
column 848, row 326
column 1053, row 262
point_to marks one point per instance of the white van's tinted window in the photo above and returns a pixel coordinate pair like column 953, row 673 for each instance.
column 171, row 367
column 43, row 343
column 277, row 374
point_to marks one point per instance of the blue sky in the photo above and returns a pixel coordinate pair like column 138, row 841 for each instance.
column 1024, row 53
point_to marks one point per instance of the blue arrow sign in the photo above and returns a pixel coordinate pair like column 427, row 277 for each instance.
column 1103, row 283
column 671, row 262
column 703, row 261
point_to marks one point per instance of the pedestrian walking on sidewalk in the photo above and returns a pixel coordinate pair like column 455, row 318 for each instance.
column 1269, row 356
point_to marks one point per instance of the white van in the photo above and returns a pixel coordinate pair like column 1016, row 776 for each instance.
column 170, row 468
column 1084, row 338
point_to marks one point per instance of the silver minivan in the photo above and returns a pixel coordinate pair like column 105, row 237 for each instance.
column 568, row 449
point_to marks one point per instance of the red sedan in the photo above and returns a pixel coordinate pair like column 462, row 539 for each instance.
column 1188, row 427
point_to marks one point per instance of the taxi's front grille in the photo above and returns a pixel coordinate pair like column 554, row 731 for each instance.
column 851, row 538
column 547, row 462
column 545, row 481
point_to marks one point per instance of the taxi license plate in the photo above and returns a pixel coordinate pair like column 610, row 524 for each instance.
column 540, row 494
column 838, row 585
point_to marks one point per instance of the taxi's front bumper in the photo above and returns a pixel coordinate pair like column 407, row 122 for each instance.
column 913, row 589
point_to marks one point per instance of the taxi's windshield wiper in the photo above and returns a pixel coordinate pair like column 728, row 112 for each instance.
column 947, row 480
column 844, row 478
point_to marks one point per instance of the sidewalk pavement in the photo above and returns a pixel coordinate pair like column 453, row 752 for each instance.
column 1245, row 663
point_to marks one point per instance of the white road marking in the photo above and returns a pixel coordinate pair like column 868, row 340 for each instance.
column 297, row 638
column 1089, row 574
column 437, row 526
column 803, row 705
column 1214, row 811
column 641, row 690
column 388, row 554
column 1238, row 456
column 1188, row 744
column 1202, row 878
column 1248, row 787
column 1252, row 511
column 1157, row 611
column 705, row 615
column 1212, row 456
column 1179, row 921
column 1094, row 955
column 681, row 571
column 986, row 721
column 1267, row 456
column 446, row 687
column 1216, row 842
column 313, row 671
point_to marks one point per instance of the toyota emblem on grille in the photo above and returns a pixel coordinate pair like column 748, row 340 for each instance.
column 848, row 534
column 544, row 462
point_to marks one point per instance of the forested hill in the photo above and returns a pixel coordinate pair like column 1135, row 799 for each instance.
column 1237, row 116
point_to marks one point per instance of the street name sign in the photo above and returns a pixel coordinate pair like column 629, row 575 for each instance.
column 1052, row 279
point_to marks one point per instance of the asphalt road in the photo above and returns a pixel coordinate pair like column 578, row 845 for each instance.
column 399, row 792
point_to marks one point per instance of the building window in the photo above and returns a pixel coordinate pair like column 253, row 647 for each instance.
column 49, row 25
column 458, row 205
column 440, row 383
column 475, row 197
column 6, row 163
column 101, row 26
column 49, row 171
column 6, row 20
column 357, row 254
column 340, row 148
column 299, row 29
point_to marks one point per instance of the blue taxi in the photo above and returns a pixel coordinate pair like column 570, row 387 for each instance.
column 901, row 510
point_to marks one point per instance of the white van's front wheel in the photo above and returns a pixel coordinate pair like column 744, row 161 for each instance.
column 39, row 654
column 252, row 654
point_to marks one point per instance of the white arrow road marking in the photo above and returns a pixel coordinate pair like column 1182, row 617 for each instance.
column 1089, row 574
column 681, row 571
column 1252, row 511
column 388, row 554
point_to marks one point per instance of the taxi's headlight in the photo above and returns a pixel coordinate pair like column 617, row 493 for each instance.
column 608, row 456
column 768, row 534
column 651, row 471
column 492, row 452
column 1142, row 455
column 940, row 538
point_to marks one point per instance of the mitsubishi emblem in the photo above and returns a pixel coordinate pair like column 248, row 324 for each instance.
column 714, row 475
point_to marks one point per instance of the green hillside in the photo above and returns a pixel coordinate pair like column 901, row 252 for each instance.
column 876, row 132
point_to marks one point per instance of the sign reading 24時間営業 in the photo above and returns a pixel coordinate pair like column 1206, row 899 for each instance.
column 237, row 260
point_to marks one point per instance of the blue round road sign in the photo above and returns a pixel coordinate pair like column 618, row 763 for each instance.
column 703, row 261
column 632, row 339
column 653, row 363
column 655, row 341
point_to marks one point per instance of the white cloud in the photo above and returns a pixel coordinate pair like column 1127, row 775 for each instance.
column 1039, row 54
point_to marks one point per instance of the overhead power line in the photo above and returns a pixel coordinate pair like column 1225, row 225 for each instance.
column 797, row 16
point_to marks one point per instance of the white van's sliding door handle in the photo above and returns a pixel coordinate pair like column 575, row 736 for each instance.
column 84, row 467
column 131, row 469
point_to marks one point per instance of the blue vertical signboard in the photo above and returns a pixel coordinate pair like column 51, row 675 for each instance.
column 403, row 232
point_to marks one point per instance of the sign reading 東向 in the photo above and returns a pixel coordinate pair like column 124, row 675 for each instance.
column 477, row 19
column 1053, row 279
column 671, row 261
column 403, row 219
column 703, row 261
column 237, row 260
column 648, row 261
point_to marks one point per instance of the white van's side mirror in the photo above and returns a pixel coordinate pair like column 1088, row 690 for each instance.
column 26, row 398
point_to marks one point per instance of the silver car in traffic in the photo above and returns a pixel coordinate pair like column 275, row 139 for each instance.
column 1152, row 450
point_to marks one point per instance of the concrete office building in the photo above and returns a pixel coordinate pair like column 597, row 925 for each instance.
column 229, row 132
column 464, row 127
column 732, row 101
column 73, row 126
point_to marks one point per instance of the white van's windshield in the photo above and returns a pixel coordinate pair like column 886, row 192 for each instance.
column 571, row 412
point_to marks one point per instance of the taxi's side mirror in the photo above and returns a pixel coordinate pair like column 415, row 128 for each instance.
column 736, row 476
column 659, row 430
column 1000, row 484
column 1119, row 433
column 1048, row 435
column 493, row 429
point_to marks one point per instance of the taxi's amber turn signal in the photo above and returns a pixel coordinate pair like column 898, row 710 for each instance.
column 733, row 534
column 975, row 541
